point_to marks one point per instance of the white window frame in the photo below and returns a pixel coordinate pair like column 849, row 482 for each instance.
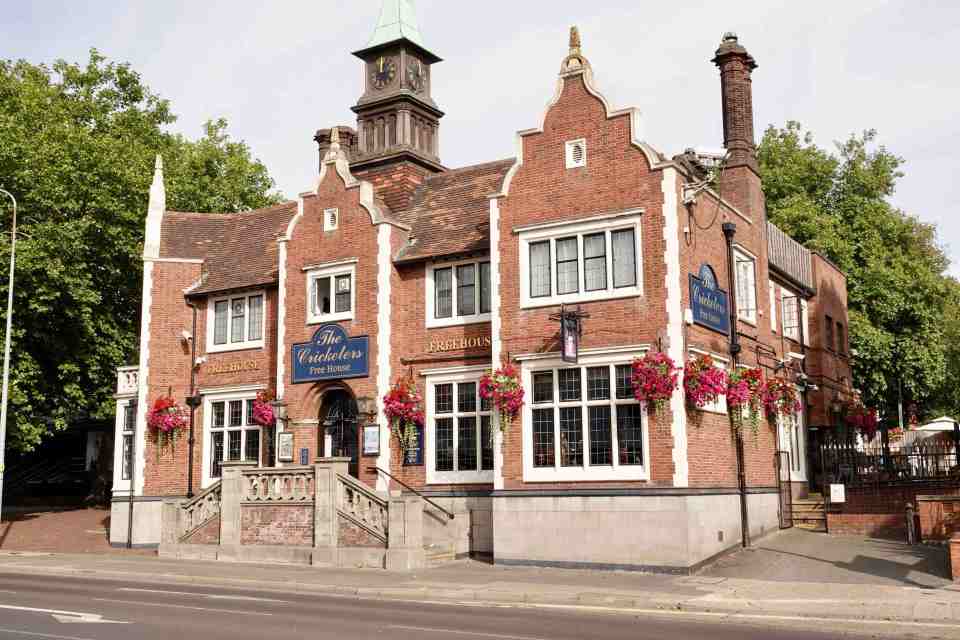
column 718, row 406
column 771, row 288
column 230, row 345
column 803, row 319
column 207, row 448
column 453, row 376
column 455, row 320
column 119, row 482
column 331, row 271
column 557, row 231
column 570, row 161
column 585, row 473
column 746, row 312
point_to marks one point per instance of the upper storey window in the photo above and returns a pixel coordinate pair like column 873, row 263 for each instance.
column 235, row 322
column 330, row 292
column 458, row 293
column 746, row 270
column 581, row 261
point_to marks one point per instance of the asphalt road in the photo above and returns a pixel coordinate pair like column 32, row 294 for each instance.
column 60, row 608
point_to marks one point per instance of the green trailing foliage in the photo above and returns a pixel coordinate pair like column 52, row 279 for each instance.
column 77, row 148
column 903, row 306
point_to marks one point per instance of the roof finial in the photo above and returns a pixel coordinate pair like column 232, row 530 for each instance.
column 574, row 40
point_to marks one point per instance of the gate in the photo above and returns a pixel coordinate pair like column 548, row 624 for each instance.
column 784, row 490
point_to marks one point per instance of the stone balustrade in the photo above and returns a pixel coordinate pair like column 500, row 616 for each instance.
column 278, row 485
column 316, row 515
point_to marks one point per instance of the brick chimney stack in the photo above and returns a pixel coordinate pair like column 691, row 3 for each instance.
column 736, row 66
column 740, row 178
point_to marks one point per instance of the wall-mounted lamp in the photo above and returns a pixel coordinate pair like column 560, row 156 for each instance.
column 367, row 407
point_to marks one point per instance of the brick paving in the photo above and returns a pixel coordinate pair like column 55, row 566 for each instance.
column 81, row 530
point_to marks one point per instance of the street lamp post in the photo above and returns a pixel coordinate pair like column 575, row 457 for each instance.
column 6, row 348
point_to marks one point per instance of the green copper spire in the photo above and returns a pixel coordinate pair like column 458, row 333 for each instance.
column 398, row 21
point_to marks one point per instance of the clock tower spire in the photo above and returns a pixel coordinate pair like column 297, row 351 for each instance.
column 397, row 119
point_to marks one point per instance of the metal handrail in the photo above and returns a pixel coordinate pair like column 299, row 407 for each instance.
column 409, row 488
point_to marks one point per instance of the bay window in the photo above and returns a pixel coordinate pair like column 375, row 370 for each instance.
column 582, row 422
column 580, row 261
column 458, row 293
column 235, row 322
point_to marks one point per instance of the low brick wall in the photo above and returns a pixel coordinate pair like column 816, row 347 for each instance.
column 880, row 511
column 939, row 516
column 287, row 525
column 350, row 535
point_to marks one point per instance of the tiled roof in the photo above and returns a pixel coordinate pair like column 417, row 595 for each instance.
column 450, row 212
column 238, row 249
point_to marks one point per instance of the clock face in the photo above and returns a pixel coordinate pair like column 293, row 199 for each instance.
column 416, row 75
column 384, row 72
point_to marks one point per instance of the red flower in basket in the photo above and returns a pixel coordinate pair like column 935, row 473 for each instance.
column 403, row 407
column 166, row 421
column 503, row 388
column 654, row 379
column 703, row 382
column 263, row 413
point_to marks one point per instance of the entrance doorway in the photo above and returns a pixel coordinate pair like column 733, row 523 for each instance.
column 338, row 428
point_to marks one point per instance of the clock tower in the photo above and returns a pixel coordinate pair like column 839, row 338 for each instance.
column 397, row 119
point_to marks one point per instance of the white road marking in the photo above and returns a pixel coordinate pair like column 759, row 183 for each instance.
column 183, row 606
column 463, row 633
column 64, row 616
column 41, row 635
column 212, row 596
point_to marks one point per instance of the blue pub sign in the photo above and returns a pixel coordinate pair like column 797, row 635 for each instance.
column 331, row 355
column 708, row 302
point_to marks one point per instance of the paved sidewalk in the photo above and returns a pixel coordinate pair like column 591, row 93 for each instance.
column 474, row 582
column 61, row 530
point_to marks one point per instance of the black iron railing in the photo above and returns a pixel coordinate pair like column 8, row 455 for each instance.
column 412, row 490
column 848, row 464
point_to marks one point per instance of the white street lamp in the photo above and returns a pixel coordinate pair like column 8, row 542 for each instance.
column 6, row 348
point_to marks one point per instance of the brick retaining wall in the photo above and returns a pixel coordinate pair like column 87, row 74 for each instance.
column 880, row 511
column 288, row 525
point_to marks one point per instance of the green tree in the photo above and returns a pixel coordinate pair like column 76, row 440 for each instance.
column 837, row 204
column 77, row 146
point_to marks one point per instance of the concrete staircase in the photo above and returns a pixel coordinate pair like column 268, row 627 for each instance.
column 810, row 513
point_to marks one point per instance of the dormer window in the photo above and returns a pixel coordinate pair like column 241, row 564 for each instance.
column 235, row 322
column 458, row 293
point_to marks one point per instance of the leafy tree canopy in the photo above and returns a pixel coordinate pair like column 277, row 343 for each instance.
column 77, row 146
column 903, row 306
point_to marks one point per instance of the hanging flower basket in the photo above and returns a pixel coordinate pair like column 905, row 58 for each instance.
column 263, row 413
column 654, row 379
column 503, row 388
column 780, row 399
column 745, row 397
column 864, row 420
column 166, row 420
column 403, row 406
column 703, row 382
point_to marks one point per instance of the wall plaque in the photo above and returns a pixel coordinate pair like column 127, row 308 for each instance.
column 708, row 301
column 331, row 355
column 371, row 440
column 285, row 446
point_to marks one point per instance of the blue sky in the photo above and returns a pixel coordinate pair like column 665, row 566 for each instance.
column 280, row 70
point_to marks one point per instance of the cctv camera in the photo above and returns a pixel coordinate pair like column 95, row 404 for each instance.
column 185, row 336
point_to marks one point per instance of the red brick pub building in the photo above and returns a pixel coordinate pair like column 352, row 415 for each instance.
column 411, row 270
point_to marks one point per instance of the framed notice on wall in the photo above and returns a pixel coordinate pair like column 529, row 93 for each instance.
column 285, row 447
column 413, row 453
column 371, row 440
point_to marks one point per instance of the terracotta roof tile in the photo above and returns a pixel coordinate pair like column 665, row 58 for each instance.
column 238, row 249
column 449, row 213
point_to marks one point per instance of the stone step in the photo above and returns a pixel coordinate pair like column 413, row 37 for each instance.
column 811, row 526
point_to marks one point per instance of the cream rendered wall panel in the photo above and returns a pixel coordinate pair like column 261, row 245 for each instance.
column 384, row 315
column 675, row 345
